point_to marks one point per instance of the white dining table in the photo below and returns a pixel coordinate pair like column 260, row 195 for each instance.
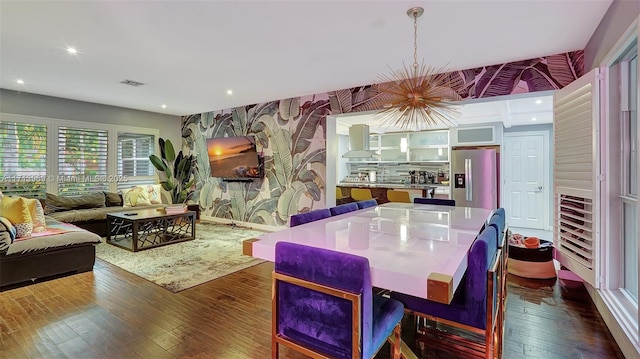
column 416, row 249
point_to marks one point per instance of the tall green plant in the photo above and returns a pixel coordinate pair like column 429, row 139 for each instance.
column 175, row 172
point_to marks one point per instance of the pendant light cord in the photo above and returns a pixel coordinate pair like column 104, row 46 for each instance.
column 415, row 42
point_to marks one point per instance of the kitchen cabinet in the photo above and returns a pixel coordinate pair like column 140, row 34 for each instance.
column 402, row 153
column 431, row 146
column 393, row 147
column 426, row 146
column 481, row 135
column 429, row 154
column 429, row 139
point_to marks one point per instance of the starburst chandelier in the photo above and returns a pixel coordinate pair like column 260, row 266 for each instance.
column 419, row 97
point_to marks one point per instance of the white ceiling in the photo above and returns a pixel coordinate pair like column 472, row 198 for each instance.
column 530, row 109
column 188, row 53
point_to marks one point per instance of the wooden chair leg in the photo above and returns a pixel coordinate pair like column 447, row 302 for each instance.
column 395, row 346
column 274, row 348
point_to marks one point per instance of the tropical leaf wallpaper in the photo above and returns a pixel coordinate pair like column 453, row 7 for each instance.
column 291, row 137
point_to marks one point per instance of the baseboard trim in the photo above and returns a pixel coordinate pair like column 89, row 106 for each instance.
column 630, row 348
column 262, row 227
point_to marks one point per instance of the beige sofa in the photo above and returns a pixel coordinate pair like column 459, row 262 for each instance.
column 88, row 211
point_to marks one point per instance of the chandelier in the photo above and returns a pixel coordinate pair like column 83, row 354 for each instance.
column 419, row 97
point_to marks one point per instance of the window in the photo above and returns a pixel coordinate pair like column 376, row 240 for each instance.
column 23, row 163
column 133, row 154
column 134, row 166
column 82, row 160
column 629, row 195
column 40, row 155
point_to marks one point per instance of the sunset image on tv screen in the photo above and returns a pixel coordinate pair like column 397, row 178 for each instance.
column 233, row 157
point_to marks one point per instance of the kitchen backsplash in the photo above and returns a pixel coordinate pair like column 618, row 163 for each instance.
column 398, row 172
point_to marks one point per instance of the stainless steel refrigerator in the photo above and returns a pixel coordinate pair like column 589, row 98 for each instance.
column 474, row 173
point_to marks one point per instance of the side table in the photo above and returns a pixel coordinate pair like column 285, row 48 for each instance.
column 195, row 208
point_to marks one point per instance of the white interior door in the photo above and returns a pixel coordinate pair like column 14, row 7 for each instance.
column 526, row 166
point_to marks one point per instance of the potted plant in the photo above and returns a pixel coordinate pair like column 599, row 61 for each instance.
column 175, row 172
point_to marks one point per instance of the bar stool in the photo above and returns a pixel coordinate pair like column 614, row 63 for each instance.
column 398, row 196
column 361, row 194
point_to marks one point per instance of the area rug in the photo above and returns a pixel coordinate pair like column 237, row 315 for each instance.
column 216, row 252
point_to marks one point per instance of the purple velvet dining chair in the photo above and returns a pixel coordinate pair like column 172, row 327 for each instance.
column 323, row 305
column 437, row 201
column 302, row 218
column 476, row 305
column 367, row 203
column 497, row 221
column 343, row 208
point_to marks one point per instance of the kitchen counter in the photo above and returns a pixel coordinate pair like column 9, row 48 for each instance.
column 392, row 185
column 379, row 190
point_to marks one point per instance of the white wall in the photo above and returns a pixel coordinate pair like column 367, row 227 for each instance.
column 27, row 104
column 620, row 15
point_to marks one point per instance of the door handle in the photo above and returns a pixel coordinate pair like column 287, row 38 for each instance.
column 469, row 184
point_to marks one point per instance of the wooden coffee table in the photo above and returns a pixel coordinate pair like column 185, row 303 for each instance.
column 140, row 229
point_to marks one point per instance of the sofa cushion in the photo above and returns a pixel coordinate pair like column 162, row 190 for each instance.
column 16, row 210
column 71, row 235
column 84, row 215
column 55, row 203
column 135, row 196
column 90, row 214
column 37, row 215
column 112, row 199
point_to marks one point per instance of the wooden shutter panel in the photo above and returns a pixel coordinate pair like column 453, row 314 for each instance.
column 576, row 175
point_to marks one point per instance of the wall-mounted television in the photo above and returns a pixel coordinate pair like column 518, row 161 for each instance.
column 234, row 158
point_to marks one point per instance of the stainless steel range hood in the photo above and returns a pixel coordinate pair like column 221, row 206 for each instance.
column 359, row 143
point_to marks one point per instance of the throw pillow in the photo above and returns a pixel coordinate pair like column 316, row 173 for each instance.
column 16, row 210
column 153, row 193
column 112, row 199
column 55, row 203
column 7, row 230
column 135, row 196
column 37, row 215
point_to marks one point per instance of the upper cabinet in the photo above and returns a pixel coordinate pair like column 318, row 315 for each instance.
column 427, row 146
column 393, row 147
column 480, row 135
column 429, row 139
column 432, row 146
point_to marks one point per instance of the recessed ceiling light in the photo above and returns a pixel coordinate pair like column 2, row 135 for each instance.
column 229, row 92
column 72, row 50
column 533, row 118
column 538, row 102
column 20, row 81
column 164, row 106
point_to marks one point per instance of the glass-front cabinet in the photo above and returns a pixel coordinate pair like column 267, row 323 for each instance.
column 427, row 146
column 429, row 154
column 393, row 147
column 429, row 139
column 432, row 146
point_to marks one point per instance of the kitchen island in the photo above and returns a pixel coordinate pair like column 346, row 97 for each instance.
column 379, row 190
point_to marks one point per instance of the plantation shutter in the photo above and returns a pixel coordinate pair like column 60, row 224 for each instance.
column 133, row 154
column 576, row 175
column 23, row 159
column 82, row 160
column 134, row 166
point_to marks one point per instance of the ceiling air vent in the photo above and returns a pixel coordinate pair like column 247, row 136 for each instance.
column 131, row 83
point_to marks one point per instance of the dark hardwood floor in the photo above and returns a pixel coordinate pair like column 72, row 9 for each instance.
column 111, row 313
